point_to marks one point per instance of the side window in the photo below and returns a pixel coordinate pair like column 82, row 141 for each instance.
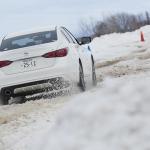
column 69, row 39
column 72, row 37
column 65, row 36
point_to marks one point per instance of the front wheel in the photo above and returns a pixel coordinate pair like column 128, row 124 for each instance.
column 94, row 79
column 4, row 100
column 81, row 78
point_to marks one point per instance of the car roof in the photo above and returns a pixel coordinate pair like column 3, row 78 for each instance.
column 30, row 31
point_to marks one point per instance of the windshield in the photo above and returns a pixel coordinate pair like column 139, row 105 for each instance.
column 28, row 40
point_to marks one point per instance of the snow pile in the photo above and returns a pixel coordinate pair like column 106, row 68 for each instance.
column 119, row 44
column 20, row 122
column 113, row 118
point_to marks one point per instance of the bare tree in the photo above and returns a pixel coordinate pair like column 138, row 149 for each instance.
column 147, row 17
column 87, row 27
column 119, row 23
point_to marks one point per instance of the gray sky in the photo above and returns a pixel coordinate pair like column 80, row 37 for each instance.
column 24, row 14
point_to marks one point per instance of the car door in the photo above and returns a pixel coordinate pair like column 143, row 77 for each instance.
column 84, row 54
column 74, row 56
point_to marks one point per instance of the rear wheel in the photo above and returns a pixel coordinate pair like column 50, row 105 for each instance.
column 81, row 78
column 4, row 100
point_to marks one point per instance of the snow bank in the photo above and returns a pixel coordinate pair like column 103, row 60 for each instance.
column 118, row 44
column 20, row 122
column 115, row 117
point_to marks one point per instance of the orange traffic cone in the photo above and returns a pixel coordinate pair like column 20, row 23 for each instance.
column 142, row 37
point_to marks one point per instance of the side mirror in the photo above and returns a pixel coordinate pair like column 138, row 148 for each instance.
column 85, row 40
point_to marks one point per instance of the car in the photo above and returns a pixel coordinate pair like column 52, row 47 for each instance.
column 38, row 60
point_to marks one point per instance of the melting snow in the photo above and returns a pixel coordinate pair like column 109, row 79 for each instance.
column 114, row 115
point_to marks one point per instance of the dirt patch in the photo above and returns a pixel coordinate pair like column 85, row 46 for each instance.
column 142, row 54
column 134, row 63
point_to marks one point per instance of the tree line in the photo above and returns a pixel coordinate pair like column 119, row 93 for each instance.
column 117, row 23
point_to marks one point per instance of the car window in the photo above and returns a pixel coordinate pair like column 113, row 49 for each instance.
column 72, row 37
column 63, row 33
column 67, row 36
column 28, row 40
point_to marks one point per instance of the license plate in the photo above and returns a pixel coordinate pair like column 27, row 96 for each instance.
column 29, row 63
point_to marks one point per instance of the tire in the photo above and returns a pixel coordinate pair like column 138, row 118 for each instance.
column 81, row 78
column 94, row 78
column 4, row 100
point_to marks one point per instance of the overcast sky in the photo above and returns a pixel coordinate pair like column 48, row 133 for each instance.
column 25, row 14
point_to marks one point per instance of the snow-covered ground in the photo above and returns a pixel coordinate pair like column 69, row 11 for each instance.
column 114, row 115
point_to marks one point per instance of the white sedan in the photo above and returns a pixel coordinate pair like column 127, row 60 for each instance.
column 38, row 60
